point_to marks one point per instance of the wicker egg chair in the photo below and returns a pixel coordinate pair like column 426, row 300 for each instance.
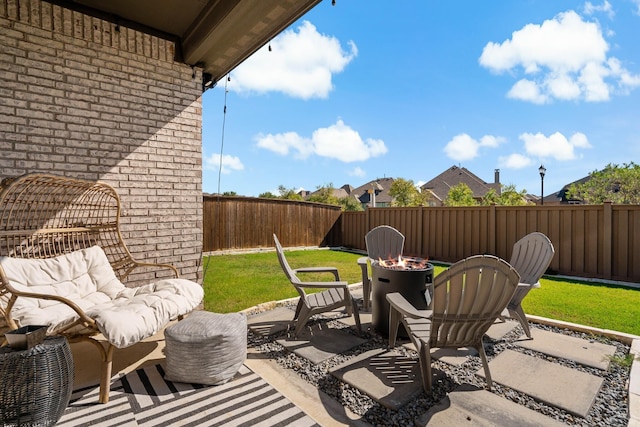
column 43, row 216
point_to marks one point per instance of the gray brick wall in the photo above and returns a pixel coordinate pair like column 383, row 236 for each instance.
column 82, row 98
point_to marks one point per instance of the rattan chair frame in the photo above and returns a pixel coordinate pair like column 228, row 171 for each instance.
column 43, row 216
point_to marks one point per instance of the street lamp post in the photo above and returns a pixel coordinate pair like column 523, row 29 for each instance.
column 542, row 171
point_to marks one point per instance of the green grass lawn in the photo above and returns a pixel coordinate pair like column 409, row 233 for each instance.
column 236, row 282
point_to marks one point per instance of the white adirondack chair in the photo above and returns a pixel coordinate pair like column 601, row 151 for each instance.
column 382, row 242
column 530, row 257
column 335, row 295
column 467, row 299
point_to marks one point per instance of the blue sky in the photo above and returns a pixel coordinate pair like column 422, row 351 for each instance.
column 371, row 89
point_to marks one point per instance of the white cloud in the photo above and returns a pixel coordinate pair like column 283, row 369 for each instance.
column 464, row 147
column 564, row 58
column 337, row 141
column 282, row 143
column 491, row 141
column 229, row 163
column 514, row 161
column 555, row 146
column 563, row 87
column 527, row 90
column 590, row 9
column 300, row 64
column 637, row 3
column 357, row 171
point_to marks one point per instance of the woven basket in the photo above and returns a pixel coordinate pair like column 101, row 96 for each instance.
column 36, row 383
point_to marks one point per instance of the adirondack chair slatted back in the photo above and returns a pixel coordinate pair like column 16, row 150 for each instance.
column 43, row 216
column 288, row 271
column 468, row 297
column 384, row 242
column 531, row 257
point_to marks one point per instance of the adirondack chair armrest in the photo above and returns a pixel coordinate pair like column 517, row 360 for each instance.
column 332, row 270
column 401, row 305
column 363, row 262
column 317, row 285
column 520, row 293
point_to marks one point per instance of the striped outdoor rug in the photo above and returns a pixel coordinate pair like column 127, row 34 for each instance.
column 144, row 398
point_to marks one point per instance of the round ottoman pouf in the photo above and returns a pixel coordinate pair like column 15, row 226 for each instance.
column 206, row 348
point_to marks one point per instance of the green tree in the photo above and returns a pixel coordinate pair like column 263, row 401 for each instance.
column 268, row 195
column 405, row 193
column 490, row 198
column 350, row 203
column 288, row 193
column 324, row 194
column 229, row 193
column 617, row 184
column 460, row 195
column 509, row 196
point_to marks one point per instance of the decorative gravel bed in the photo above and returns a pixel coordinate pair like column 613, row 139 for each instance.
column 609, row 408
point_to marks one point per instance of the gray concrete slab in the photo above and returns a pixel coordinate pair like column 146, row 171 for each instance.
column 451, row 356
column 388, row 377
column 556, row 385
column 365, row 321
column 319, row 343
column 356, row 291
column 470, row 406
column 499, row 329
column 271, row 322
column 588, row 353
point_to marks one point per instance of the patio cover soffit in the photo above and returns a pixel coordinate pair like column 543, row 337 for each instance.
column 216, row 35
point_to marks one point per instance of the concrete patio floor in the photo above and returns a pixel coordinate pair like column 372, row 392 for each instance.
column 392, row 380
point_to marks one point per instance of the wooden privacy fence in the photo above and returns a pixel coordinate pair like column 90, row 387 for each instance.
column 232, row 223
column 598, row 241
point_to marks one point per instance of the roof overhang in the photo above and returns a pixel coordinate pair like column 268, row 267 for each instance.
column 216, row 35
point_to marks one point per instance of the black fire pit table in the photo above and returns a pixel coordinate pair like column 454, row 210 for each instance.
column 412, row 277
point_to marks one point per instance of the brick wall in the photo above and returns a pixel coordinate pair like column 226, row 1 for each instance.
column 84, row 98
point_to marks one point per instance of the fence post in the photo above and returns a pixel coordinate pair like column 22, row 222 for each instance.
column 607, row 252
column 419, row 233
column 492, row 229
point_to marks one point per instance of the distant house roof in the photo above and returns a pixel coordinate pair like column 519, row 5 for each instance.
column 560, row 197
column 348, row 188
column 441, row 184
column 381, row 186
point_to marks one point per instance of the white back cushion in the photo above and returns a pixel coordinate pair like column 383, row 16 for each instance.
column 81, row 275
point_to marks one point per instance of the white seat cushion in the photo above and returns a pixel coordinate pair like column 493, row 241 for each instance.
column 123, row 315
